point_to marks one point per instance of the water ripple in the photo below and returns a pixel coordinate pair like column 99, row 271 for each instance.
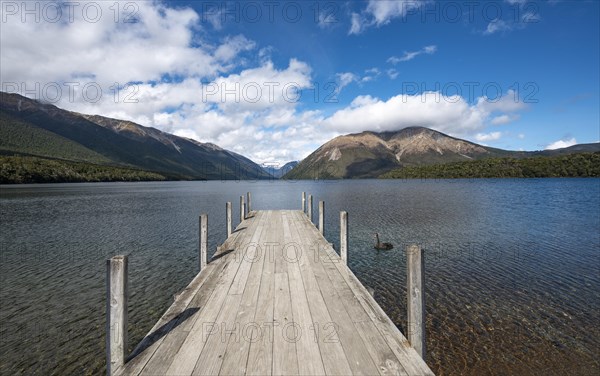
column 512, row 266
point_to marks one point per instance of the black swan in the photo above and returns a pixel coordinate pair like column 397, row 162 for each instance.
column 384, row 246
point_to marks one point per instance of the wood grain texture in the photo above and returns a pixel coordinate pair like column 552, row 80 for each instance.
column 228, row 218
column 344, row 236
column 322, row 217
column 203, row 240
column 416, row 298
column 116, row 311
column 275, row 300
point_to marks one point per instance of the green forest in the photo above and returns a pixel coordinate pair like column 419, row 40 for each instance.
column 23, row 170
column 572, row 165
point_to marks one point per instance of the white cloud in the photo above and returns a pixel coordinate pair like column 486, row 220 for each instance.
column 509, row 102
column 485, row 137
column 370, row 75
column 284, row 133
column 381, row 12
column 244, row 108
column 409, row 55
column 163, row 55
column 345, row 79
column 326, row 19
column 232, row 46
column 500, row 26
column 392, row 73
column 429, row 49
column 373, row 71
column 521, row 136
column 363, row 100
column 160, row 42
column 356, row 24
column 565, row 143
column 497, row 25
column 261, row 87
column 504, row 119
column 433, row 110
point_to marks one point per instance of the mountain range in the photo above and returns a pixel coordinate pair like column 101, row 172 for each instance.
column 371, row 154
column 278, row 172
column 42, row 138
column 32, row 128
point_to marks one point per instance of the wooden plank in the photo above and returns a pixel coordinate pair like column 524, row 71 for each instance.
column 278, row 295
column 332, row 353
column 356, row 352
column 200, row 287
column 344, row 236
column 242, row 209
column 381, row 354
column 213, row 353
column 309, row 357
column 180, row 352
column 322, row 217
column 285, row 359
column 203, row 241
column 116, row 313
column 228, row 218
column 304, row 202
column 238, row 348
column 161, row 361
column 232, row 242
column 406, row 355
column 416, row 298
column 279, row 242
column 185, row 360
column 260, row 356
column 248, row 251
column 221, row 329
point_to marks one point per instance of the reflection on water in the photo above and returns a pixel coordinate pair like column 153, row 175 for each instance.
column 512, row 266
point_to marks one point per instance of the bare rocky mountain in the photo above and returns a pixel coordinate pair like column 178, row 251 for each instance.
column 370, row 154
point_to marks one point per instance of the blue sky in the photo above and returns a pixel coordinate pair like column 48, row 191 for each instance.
column 511, row 74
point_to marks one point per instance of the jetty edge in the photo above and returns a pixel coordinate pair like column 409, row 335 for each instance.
column 274, row 299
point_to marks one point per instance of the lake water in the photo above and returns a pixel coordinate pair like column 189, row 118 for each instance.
column 512, row 266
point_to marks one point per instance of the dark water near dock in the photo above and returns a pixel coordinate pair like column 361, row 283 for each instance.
column 512, row 266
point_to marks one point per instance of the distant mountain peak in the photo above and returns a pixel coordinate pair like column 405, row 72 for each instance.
column 368, row 154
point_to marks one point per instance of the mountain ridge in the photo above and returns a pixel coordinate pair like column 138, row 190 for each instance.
column 278, row 172
column 115, row 142
column 370, row 154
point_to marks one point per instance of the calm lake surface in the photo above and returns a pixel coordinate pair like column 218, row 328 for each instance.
column 512, row 266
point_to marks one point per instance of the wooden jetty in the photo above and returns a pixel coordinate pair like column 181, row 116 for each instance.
column 275, row 299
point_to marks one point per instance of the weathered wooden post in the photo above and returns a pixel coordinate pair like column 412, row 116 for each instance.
column 229, row 219
column 203, row 240
column 304, row 202
column 416, row 298
column 322, row 217
column 249, row 202
column 242, row 209
column 309, row 209
column 116, row 312
column 344, row 236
